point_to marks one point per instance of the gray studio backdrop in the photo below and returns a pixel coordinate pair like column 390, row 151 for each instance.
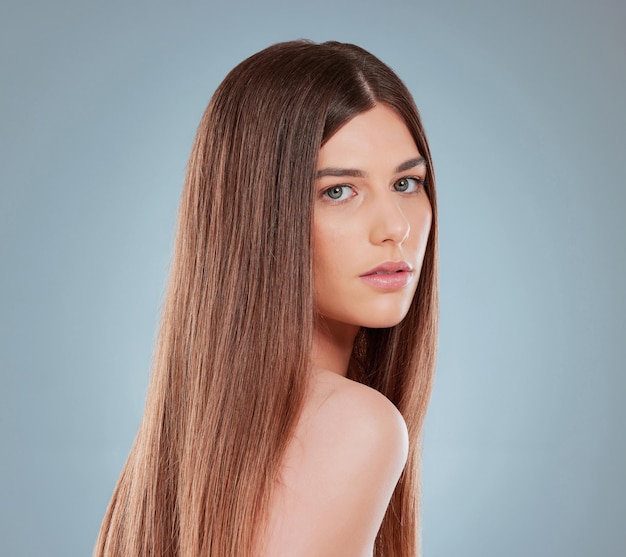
column 524, row 450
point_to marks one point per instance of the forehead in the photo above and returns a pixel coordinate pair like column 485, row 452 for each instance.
column 376, row 135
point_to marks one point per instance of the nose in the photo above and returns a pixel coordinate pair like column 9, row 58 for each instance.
column 389, row 223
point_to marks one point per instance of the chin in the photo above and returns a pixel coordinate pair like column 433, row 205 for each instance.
column 387, row 315
column 382, row 314
column 384, row 319
column 382, row 323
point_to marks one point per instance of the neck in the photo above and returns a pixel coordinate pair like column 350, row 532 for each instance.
column 332, row 345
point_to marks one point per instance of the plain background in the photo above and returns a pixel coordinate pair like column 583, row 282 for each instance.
column 523, row 102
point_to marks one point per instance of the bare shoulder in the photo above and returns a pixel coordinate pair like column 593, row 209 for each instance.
column 339, row 471
column 355, row 417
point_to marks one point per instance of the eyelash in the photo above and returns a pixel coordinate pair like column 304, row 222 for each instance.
column 419, row 184
column 326, row 192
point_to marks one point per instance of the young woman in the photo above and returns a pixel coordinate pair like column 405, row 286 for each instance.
column 296, row 352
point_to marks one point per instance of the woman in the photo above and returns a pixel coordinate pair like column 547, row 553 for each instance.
column 296, row 352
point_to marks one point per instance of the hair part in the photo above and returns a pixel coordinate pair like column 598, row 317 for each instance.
column 232, row 358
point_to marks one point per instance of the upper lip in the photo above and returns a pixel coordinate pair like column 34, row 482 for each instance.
column 389, row 267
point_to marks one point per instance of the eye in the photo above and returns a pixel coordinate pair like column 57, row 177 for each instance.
column 408, row 185
column 337, row 193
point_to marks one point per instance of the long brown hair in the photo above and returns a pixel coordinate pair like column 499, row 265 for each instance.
column 232, row 357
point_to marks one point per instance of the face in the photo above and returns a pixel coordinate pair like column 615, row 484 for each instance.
column 371, row 222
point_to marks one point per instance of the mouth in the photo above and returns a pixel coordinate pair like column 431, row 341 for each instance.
column 389, row 268
column 389, row 276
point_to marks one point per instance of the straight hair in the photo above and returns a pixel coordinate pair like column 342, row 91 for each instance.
column 232, row 357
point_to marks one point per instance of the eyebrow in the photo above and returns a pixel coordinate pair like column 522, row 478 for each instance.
column 355, row 173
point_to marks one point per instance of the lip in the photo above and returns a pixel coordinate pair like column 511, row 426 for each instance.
column 389, row 276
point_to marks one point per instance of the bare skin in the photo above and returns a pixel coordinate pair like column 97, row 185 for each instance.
column 350, row 443
column 338, row 473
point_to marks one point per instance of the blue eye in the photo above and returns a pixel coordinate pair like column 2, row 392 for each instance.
column 408, row 185
column 337, row 193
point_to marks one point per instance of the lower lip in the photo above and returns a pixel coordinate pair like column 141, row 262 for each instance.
column 389, row 282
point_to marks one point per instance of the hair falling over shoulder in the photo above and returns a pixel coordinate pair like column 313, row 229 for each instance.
column 232, row 357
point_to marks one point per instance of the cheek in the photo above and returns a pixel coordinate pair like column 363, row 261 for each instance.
column 325, row 249
column 421, row 223
column 334, row 243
